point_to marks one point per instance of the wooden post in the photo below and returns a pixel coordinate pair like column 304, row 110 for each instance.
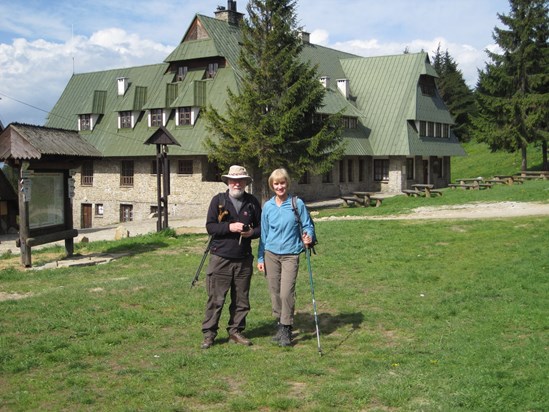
column 166, row 175
column 24, row 229
column 158, row 189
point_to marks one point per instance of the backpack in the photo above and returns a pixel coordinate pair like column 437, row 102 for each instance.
column 298, row 220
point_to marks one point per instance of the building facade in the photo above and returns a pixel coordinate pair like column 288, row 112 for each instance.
column 397, row 130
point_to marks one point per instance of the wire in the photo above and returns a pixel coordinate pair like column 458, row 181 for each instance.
column 64, row 118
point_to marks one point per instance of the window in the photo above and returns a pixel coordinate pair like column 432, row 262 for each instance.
column 181, row 73
column 445, row 131
column 328, row 177
column 381, row 169
column 126, row 173
column 437, row 167
column 212, row 70
column 125, row 119
column 185, row 167
column 350, row 165
column 156, row 117
column 99, row 209
column 86, row 174
column 427, row 85
column 153, row 167
column 410, row 168
column 304, row 179
column 430, row 129
column 422, row 128
column 342, row 171
column 438, row 129
column 349, row 122
column 85, row 122
column 185, row 116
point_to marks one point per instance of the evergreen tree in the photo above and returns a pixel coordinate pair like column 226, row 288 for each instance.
column 455, row 93
column 512, row 91
column 271, row 121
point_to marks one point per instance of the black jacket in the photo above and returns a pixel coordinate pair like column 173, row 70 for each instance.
column 226, row 243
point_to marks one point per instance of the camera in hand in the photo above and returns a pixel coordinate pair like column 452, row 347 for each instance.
column 245, row 228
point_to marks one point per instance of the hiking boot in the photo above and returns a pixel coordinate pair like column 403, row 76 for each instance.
column 278, row 335
column 240, row 339
column 207, row 343
column 285, row 336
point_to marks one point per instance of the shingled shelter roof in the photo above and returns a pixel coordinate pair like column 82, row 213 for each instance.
column 28, row 142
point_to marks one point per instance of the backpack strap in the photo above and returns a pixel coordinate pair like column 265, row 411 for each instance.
column 221, row 209
column 296, row 213
column 298, row 219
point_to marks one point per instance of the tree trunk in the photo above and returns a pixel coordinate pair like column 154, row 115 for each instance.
column 524, row 164
column 544, row 155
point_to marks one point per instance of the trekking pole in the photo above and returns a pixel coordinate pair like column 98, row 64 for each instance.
column 308, row 255
column 197, row 274
column 220, row 216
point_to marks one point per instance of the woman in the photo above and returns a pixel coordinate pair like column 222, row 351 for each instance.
column 279, row 249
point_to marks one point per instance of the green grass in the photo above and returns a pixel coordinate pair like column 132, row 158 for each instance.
column 414, row 315
column 481, row 162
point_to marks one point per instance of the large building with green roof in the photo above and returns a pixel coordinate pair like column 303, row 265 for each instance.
column 398, row 131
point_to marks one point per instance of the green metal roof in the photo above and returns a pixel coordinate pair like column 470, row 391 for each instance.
column 385, row 97
column 387, row 93
column 194, row 49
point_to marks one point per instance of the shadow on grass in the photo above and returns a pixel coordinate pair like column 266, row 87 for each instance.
column 305, row 323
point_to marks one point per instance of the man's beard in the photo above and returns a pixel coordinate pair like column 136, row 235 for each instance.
column 236, row 193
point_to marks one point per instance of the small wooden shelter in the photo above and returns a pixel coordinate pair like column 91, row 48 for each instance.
column 46, row 159
column 162, row 138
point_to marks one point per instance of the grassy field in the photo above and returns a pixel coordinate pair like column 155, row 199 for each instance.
column 414, row 316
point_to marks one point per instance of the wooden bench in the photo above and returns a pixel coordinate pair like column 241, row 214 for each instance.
column 409, row 192
column 377, row 199
column 484, row 186
column 465, row 187
column 436, row 192
column 351, row 200
column 496, row 181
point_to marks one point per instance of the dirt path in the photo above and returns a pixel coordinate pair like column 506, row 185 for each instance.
column 480, row 210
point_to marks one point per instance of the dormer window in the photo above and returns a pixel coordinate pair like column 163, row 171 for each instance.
column 156, row 118
column 85, row 122
column 212, row 70
column 427, row 85
column 125, row 120
column 185, row 116
column 181, row 73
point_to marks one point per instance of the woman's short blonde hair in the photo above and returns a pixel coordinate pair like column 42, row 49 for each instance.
column 278, row 175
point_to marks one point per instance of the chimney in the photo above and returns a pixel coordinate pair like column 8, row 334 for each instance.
column 305, row 37
column 123, row 83
column 229, row 14
column 343, row 86
column 325, row 80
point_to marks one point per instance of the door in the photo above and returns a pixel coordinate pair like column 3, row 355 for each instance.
column 126, row 213
column 86, row 216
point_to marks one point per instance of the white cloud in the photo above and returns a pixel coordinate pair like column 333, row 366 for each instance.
column 36, row 72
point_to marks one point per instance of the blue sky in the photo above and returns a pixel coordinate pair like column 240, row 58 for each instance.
column 43, row 43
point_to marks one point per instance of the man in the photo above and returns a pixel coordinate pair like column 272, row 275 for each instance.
column 233, row 220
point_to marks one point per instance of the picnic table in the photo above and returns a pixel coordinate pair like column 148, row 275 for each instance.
column 506, row 178
column 471, row 181
column 426, row 189
column 365, row 196
column 534, row 174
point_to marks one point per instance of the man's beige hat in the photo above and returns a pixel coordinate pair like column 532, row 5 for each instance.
column 237, row 172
